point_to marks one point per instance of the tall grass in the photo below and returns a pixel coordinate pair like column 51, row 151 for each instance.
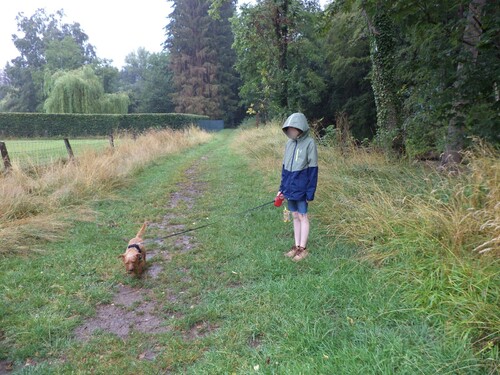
column 34, row 198
column 436, row 234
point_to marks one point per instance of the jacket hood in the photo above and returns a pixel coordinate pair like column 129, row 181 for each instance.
column 298, row 121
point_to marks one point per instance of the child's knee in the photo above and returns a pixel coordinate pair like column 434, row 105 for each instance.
column 298, row 216
column 302, row 217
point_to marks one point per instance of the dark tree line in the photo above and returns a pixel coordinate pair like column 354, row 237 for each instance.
column 419, row 76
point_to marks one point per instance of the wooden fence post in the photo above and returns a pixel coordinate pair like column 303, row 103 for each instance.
column 111, row 141
column 68, row 148
column 5, row 156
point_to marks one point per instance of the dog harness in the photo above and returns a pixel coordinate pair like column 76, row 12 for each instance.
column 136, row 246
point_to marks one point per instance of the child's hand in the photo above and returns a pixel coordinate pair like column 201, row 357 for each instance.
column 278, row 201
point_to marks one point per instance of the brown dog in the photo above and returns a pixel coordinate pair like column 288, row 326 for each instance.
column 134, row 257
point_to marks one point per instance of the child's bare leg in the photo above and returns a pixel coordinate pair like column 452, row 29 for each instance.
column 304, row 230
column 296, row 227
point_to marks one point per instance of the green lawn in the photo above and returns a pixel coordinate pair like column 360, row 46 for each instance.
column 231, row 304
column 46, row 151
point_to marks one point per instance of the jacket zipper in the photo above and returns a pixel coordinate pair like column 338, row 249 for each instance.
column 293, row 155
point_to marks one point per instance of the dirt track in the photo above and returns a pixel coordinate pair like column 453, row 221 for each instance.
column 135, row 309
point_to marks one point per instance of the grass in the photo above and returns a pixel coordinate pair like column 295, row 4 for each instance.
column 436, row 234
column 36, row 200
column 39, row 152
column 234, row 303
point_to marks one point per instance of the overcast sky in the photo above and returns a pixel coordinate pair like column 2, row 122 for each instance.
column 115, row 28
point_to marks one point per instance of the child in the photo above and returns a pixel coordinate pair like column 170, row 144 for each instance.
column 299, row 177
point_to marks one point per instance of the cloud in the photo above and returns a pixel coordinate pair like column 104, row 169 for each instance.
column 114, row 28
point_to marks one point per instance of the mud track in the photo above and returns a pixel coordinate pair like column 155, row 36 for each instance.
column 135, row 309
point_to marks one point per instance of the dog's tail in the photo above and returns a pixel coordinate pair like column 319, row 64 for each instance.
column 142, row 230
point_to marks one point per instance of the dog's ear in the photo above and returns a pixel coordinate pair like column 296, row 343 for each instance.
column 121, row 256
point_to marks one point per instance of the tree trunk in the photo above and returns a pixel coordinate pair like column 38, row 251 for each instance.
column 471, row 37
column 382, row 80
column 281, row 31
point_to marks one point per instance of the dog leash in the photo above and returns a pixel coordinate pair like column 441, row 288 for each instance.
column 208, row 224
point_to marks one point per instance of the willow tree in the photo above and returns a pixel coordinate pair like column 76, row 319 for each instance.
column 114, row 103
column 81, row 91
column 44, row 41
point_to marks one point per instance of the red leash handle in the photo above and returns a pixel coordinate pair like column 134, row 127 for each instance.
column 278, row 201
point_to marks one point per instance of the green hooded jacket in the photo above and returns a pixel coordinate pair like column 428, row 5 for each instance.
column 299, row 175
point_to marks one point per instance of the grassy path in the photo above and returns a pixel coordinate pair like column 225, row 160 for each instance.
column 228, row 300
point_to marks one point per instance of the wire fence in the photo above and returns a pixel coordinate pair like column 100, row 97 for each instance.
column 29, row 152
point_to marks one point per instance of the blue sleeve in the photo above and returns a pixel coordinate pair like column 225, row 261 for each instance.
column 282, row 179
column 312, row 183
column 312, row 172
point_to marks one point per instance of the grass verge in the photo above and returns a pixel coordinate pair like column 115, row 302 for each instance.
column 435, row 234
column 38, row 201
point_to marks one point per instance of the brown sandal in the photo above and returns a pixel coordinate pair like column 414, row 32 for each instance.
column 292, row 252
column 300, row 254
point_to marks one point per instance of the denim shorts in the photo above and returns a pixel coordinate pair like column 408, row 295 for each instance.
column 300, row 206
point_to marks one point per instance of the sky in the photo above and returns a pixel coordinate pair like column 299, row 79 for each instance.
column 115, row 28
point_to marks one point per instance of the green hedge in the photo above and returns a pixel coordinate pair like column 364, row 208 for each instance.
column 82, row 125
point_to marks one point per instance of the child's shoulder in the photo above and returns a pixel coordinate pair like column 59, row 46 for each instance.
column 309, row 140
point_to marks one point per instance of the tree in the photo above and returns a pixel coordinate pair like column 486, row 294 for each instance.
column 45, row 43
column 279, row 56
column 158, row 87
column 383, row 46
column 348, row 63
column 447, row 68
column 469, row 51
column 434, row 71
column 148, row 79
column 108, row 74
column 201, row 59
column 81, row 91
column 63, row 54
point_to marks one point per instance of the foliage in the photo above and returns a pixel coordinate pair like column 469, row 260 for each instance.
column 63, row 54
column 201, row 59
column 421, row 77
column 279, row 57
column 383, row 46
column 114, row 103
column 148, row 80
column 435, row 74
column 45, row 43
column 81, row 91
column 77, row 91
column 346, row 49
column 108, row 74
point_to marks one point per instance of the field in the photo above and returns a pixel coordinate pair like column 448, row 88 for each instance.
column 42, row 152
column 392, row 286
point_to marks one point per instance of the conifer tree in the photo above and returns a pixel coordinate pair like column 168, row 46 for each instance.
column 202, row 60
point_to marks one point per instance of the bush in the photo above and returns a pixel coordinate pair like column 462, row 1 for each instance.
column 75, row 125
